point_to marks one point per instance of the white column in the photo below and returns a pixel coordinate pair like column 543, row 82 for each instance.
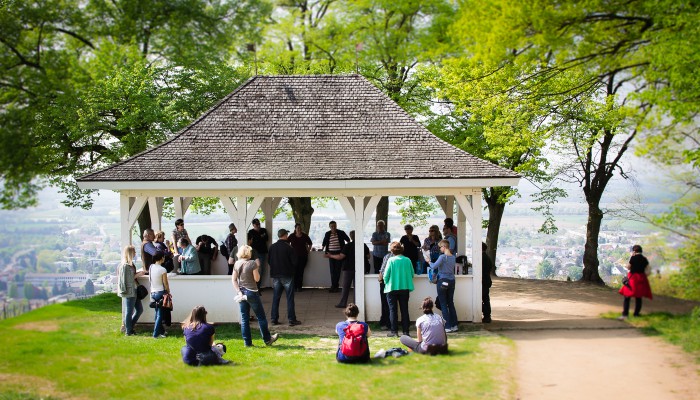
column 181, row 205
column 125, row 203
column 476, row 254
column 155, row 208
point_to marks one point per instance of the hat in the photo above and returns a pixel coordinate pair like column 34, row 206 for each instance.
column 282, row 232
column 256, row 221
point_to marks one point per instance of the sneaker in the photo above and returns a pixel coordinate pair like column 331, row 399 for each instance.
column 160, row 337
column 273, row 339
column 294, row 322
column 452, row 330
column 486, row 320
column 392, row 334
column 384, row 328
column 622, row 318
column 275, row 322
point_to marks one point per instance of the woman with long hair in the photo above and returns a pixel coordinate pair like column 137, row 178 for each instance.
column 444, row 267
column 245, row 278
column 430, row 332
column 131, row 306
column 158, row 278
column 199, row 337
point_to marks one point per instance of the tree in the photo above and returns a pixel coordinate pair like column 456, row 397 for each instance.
column 12, row 290
column 86, row 84
column 545, row 270
column 587, row 71
column 89, row 287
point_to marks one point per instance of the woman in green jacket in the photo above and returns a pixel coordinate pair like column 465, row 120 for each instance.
column 398, row 283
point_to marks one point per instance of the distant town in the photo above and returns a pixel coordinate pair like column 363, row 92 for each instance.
column 56, row 255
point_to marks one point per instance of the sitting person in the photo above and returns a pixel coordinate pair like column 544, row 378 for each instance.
column 199, row 339
column 432, row 338
column 352, row 335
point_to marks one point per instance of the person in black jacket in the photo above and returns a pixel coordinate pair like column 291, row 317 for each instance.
column 283, row 261
column 486, row 267
column 333, row 243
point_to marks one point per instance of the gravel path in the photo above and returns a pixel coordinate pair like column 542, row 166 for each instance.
column 566, row 351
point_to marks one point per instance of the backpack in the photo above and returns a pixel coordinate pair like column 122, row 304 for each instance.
column 355, row 341
column 224, row 250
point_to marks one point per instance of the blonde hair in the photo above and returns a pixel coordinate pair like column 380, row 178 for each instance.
column 160, row 235
column 128, row 254
column 245, row 252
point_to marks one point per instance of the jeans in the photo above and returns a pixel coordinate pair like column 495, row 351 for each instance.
column 132, row 308
column 400, row 296
column 158, row 326
column 346, row 280
column 299, row 273
column 335, row 266
column 285, row 283
column 262, row 257
column 384, row 318
column 446, row 294
column 254, row 303
column 418, row 269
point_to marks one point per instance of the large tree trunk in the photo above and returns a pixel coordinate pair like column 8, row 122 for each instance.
column 302, row 211
column 496, row 209
column 590, row 253
column 383, row 211
column 144, row 221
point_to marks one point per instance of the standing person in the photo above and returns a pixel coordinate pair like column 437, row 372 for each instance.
column 430, row 244
column 411, row 244
column 180, row 232
column 637, row 285
column 451, row 238
column 384, row 321
column 131, row 306
column 449, row 223
column 301, row 243
column 380, row 244
column 245, row 279
column 282, row 264
column 188, row 258
column 445, row 268
column 347, row 256
column 259, row 238
column 207, row 251
column 158, row 277
column 398, row 283
column 232, row 246
column 430, row 332
column 486, row 268
column 162, row 247
column 351, row 313
column 333, row 242
column 148, row 249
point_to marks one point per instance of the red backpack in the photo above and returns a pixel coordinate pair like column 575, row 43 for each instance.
column 355, row 341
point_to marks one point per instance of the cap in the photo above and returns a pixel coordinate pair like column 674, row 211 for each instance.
column 282, row 232
column 256, row 221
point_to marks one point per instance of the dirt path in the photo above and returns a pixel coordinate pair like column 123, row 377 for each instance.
column 566, row 351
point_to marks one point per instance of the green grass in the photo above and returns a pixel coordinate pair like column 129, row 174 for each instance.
column 74, row 350
column 680, row 330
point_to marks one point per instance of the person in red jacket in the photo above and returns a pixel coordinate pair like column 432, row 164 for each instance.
column 637, row 284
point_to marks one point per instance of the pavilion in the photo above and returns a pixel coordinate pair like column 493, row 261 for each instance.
column 305, row 136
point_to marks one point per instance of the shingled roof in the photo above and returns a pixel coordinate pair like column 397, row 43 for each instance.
column 327, row 127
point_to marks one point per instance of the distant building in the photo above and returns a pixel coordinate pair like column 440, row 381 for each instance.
column 52, row 279
column 68, row 265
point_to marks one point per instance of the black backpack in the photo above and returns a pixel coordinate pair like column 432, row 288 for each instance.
column 223, row 250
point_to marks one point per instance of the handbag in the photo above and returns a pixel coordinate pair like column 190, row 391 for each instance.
column 168, row 301
column 626, row 282
column 141, row 292
column 432, row 275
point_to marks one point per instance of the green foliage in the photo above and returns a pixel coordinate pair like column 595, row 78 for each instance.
column 416, row 210
column 575, row 273
column 545, row 270
column 46, row 350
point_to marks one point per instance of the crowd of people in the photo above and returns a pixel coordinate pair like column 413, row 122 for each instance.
column 395, row 262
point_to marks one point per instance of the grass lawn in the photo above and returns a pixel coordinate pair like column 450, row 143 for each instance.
column 74, row 351
column 681, row 330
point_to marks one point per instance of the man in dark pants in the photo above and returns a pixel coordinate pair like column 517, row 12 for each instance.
column 333, row 243
column 282, row 260
column 486, row 267
column 207, row 250
column 347, row 256
column 259, row 238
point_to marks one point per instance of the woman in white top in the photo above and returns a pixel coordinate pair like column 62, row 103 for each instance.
column 158, row 277
column 432, row 338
